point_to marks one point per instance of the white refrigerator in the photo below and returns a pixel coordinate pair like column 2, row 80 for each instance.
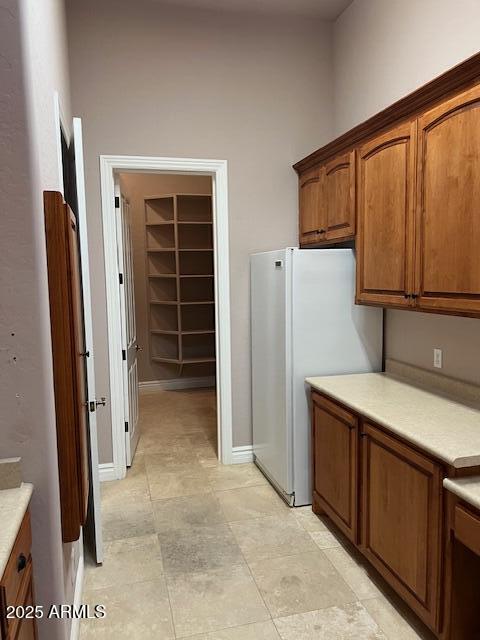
column 304, row 322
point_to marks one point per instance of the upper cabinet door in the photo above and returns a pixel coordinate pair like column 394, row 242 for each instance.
column 340, row 197
column 312, row 212
column 386, row 190
column 448, row 206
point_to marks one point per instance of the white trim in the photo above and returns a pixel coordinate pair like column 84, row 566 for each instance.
column 106, row 471
column 217, row 169
column 176, row 383
column 78, row 594
column 241, row 455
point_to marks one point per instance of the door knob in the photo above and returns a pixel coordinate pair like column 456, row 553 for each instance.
column 137, row 348
column 93, row 404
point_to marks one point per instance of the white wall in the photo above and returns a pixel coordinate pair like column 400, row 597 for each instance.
column 33, row 65
column 383, row 50
column 254, row 90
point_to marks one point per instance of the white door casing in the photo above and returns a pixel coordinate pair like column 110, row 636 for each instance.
column 127, row 312
column 217, row 169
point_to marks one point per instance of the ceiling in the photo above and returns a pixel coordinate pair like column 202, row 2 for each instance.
column 324, row 9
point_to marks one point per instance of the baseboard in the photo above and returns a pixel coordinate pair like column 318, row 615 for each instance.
column 240, row 455
column 106, row 471
column 77, row 598
column 176, row 383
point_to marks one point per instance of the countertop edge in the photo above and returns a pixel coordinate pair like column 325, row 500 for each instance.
column 457, row 463
column 461, row 492
column 16, row 513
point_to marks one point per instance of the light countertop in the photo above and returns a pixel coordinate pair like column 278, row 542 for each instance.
column 13, row 505
column 446, row 428
column 467, row 489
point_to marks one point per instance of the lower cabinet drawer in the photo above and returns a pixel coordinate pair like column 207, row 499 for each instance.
column 17, row 563
column 16, row 586
column 467, row 528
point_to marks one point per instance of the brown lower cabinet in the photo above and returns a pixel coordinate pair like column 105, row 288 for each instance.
column 401, row 519
column 387, row 498
column 16, row 587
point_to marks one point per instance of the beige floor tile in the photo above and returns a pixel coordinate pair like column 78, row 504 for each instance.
column 141, row 611
column 133, row 488
column 184, row 480
column 125, row 562
column 347, row 622
column 204, row 602
column 309, row 520
column 127, row 521
column 353, row 572
column 199, row 549
column 295, row 584
column 391, row 621
column 187, row 512
column 255, row 631
column 251, row 502
column 325, row 539
column 271, row 537
column 235, row 476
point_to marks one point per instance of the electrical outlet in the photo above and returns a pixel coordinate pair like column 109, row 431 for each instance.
column 437, row 358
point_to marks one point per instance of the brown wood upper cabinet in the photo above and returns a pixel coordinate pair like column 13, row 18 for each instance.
column 447, row 274
column 340, row 197
column 386, row 191
column 327, row 202
column 312, row 206
column 335, row 487
column 402, row 519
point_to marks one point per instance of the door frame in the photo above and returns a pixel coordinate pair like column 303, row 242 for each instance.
column 217, row 169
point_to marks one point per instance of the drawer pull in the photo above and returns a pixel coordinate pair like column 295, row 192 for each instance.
column 21, row 563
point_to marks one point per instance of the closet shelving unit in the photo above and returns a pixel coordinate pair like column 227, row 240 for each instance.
column 180, row 279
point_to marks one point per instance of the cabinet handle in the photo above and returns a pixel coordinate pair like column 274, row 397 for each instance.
column 21, row 563
column 321, row 231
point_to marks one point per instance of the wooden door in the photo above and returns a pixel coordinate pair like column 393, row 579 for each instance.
column 340, row 197
column 386, row 218
column 129, row 330
column 402, row 519
column 68, row 350
column 335, row 437
column 312, row 207
column 448, row 206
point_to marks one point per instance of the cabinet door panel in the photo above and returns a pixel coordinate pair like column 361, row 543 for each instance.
column 401, row 520
column 335, row 465
column 386, row 209
column 340, row 197
column 312, row 217
column 448, row 197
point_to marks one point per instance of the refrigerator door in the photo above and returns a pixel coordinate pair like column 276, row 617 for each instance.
column 330, row 335
column 271, row 366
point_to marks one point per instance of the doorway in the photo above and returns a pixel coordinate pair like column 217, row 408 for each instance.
column 184, row 327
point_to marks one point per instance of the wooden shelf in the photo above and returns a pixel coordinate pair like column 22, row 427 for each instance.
column 159, row 224
column 162, row 275
column 194, row 222
column 179, row 267
column 197, row 275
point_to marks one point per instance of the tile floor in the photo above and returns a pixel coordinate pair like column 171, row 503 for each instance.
column 201, row 551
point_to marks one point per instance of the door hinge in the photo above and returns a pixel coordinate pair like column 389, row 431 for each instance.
column 117, row 202
column 120, row 278
column 126, row 427
column 124, row 354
